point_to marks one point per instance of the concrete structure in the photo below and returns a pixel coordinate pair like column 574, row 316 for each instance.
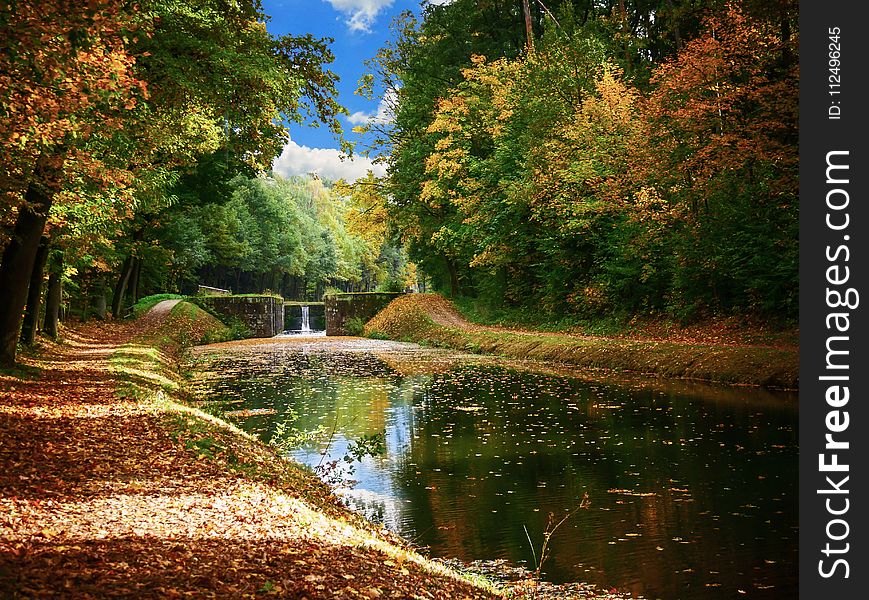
column 207, row 290
column 262, row 315
column 362, row 305
column 293, row 315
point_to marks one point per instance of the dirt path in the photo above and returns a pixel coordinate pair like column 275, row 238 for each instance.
column 98, row 500
column 158, row 312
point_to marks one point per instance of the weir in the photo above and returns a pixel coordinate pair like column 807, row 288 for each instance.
column 304, row 317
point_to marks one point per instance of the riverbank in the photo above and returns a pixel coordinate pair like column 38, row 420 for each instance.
column 111, row 488
column 430, row 319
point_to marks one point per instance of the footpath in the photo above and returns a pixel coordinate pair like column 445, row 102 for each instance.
column 109, row 489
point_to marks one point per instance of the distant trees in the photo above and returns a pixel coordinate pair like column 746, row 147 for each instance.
column 641, row 158
column 294, row 236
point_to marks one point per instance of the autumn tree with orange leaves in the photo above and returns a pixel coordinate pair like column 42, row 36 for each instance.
column 107, row 105
column 65, row 73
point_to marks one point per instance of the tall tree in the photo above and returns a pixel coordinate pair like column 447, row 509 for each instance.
column 65, row 71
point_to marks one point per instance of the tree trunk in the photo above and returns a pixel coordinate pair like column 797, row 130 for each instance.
column 529, row 34
column 134, row 283
column 677, row 35
column 34, row 295
column 100, row 308
column 54, row 295
column 85, row 297
column 786, row 56
column 454, row 278
column 17, row 263
column 121, row 286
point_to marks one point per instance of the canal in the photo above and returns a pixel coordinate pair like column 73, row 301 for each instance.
column 675, row 490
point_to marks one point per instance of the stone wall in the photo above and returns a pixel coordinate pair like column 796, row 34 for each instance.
column 262, row 315
column 364, row 305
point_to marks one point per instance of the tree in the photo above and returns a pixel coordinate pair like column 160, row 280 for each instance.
column 725, row 111
column 641, row 158
column 65, row 72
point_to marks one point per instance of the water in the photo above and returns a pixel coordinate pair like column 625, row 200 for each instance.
column 303, row 321
column 692, row 495
column 306, row 323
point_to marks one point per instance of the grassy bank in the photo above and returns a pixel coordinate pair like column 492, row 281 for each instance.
column 149, row 372
column 733, row 329
column 432, row 320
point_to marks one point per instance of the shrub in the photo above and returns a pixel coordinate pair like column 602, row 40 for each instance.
column 354, row 326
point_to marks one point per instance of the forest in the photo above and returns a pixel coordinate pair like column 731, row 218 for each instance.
column 569, row 364
column 595, row 158
column 623, row 157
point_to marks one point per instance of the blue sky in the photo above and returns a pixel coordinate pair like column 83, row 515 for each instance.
column 359, row 28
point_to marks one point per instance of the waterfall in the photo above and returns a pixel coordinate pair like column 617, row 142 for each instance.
column 306, row 323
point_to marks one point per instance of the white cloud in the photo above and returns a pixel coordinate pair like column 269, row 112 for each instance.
column 360, row 13
column 359, row 118
column 383, row 115
column 326, row 162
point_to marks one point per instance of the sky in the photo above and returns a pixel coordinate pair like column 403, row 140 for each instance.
column 359, row 28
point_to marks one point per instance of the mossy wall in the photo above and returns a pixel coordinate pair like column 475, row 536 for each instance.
column 342, row 307
column 262, row 315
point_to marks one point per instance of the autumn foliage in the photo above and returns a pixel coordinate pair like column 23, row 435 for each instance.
column 106, row 107
column 65, row 72
column 606, row 172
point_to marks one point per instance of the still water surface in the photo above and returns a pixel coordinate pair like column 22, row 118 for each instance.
column 692, row 494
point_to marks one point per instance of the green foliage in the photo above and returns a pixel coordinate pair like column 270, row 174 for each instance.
column 635, row 162
column 288, row 437
column 366, row 445
column 297, row 236
column 354, row 326
column 337, row 472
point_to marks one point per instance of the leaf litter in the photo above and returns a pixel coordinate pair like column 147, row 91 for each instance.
column 106, row 496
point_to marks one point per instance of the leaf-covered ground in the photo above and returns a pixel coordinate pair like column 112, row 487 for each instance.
column 103, row 496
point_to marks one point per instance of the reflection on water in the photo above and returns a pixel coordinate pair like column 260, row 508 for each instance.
column 689, row 498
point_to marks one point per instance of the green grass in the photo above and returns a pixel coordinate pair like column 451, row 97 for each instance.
column 513, row 317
